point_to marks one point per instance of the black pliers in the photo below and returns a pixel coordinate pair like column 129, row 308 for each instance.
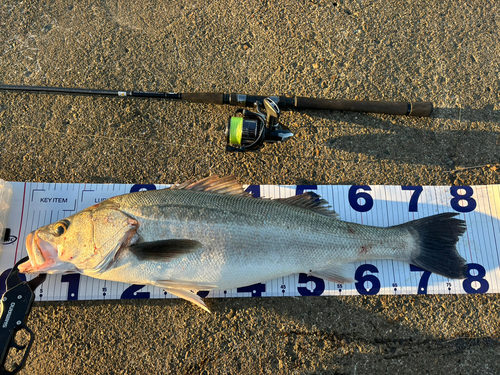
column 16, row 306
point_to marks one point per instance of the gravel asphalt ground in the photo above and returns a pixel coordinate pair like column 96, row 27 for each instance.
column 446, row 52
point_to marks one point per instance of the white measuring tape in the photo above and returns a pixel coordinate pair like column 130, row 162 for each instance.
column 38, row 204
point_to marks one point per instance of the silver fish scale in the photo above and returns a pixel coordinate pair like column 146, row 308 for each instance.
column 247, row 240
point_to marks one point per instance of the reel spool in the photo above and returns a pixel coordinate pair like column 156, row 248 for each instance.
column 252, row 129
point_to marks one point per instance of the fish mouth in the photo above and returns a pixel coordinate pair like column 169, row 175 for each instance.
column 42, row 255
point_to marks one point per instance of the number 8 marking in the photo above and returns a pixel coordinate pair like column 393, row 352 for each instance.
column 467, row 197
column 483, row 283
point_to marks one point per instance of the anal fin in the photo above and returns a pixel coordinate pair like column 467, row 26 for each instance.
column 173, row 284
column 340, row 273
column 189, row 296
column 185, row 290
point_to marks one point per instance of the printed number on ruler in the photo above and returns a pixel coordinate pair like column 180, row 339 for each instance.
column 132, row 292
column 142, row 187
column 255, row 289
column 301, row 188
column 369, row 284
column 417, row 190
column 73, row 280
column 354, row 196
column 479, row 278
column 364, row 281
column 424, row 279
column 470, row 203
column 319, row 285
column 254, row 190
column 367, row 201
column 461, row 201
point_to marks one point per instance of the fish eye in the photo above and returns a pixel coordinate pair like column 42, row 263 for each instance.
column 61, row 227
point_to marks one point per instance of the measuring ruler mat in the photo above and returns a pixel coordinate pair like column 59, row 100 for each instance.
column 37, row 204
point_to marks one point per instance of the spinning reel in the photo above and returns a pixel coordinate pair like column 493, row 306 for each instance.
column 252, row 129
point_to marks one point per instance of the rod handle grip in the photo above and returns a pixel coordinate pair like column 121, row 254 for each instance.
column 204, row 97
column 421, row 109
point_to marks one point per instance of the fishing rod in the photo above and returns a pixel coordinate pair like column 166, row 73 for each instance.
column 248, row 131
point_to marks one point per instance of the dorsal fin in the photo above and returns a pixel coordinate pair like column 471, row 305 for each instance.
column 229, row 185
column 310, row 201
column 214, row 184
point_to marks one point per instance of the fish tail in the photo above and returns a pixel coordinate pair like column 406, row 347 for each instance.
column 436, row 252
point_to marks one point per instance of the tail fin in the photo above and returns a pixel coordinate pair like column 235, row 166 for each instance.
column 437, row 236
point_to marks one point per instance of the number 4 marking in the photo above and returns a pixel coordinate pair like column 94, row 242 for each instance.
column 255, row 289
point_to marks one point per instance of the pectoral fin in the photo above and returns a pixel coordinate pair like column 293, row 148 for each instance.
column 341, row 273
column 164, row 250
column 189, row 296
